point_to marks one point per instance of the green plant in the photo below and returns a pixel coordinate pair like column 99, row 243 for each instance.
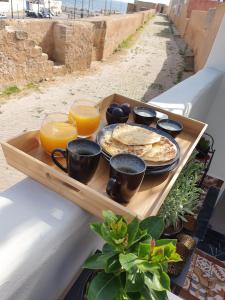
column 133, row 263
column 10, row 90
column 183, row 197
column 203, row 144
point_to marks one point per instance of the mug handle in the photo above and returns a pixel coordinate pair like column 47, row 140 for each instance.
column 63, row 152
column 112, row 187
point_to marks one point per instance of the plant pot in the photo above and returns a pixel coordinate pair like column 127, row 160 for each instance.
column 175, row 269
column 191, row 223
column 78, row 291
column 202, row 153
column 171, row 231
column 186, row 240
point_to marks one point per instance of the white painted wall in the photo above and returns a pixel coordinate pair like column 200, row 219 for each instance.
column 202, row 97
column 216, row 115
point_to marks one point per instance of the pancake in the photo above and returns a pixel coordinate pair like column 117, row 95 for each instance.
column 162, row 151
column 134, row 135
column 114, row 147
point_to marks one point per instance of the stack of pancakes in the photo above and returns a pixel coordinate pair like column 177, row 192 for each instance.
column 150, row 146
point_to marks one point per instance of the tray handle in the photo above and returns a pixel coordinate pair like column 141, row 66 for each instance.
column 66, row 184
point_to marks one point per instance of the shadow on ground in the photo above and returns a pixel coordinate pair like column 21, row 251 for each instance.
column 172, row 71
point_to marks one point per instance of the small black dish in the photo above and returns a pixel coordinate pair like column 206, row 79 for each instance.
column 144, row 115
column 112, row 120
column 170, row 126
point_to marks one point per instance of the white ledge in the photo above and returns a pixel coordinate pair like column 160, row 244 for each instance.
column 193, row 96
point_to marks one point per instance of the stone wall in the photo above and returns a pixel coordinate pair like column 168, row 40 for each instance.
column 140, row 6
column 199, row 31
column 47, row 47
column 73, row 45
column 99, row 31
column 21, row 60
column 110, row 32
column 203, row 5
column 40, row 31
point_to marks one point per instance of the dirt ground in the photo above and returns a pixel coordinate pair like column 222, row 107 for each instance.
column 149, row 67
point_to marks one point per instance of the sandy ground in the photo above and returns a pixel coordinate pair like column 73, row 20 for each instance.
column 143, row 71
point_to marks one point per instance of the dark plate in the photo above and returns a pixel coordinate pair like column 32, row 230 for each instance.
column 153, row 167
column 151, row 170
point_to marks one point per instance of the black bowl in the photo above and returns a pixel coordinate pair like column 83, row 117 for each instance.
column 170, row 126
column 112, row 120
column 144, row 115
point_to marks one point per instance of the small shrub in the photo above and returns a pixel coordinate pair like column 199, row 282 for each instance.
column 11, row 90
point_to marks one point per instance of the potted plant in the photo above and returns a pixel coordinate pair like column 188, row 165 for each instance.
column 203, row 148
column 182, row 200
column 133, row 262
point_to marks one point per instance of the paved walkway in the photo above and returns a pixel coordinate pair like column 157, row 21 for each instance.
column 149, row 67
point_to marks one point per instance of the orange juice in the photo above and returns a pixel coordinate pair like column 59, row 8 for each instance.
column 86, row 118
column 55, row 134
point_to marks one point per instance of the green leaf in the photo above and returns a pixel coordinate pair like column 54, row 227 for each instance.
column 122, row 295
column 107, row 248
column 97, row 261
column 158, row 281
column 134, row 296
column 159, row 295
column 149, row 267
column 132, row 230
column 144, row 251
column 113, row 265
column 96, row 227
column 134, row 282
column 146, row 293
column 153, row 282
column 165, row 280
column 104, row 286
column 165, row 242
column 127, row 261
column 109, row 216
column 154, row 226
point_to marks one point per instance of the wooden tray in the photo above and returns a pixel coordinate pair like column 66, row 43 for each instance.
column 25, row 154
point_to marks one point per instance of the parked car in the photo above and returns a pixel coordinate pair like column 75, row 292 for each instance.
column 31, row 14
column 2, row 16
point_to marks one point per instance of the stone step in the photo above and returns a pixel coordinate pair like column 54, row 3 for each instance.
column 59, row 70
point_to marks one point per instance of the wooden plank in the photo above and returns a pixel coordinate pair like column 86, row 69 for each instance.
column 25, row 154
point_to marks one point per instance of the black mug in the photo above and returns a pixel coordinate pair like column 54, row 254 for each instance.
column 126, row 174
column 82, row 157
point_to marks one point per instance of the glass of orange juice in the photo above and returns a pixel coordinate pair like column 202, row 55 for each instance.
column 86, row 115
column 56, row 131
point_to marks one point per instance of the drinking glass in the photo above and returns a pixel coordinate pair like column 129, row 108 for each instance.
column 56, row 132
column 86, row 115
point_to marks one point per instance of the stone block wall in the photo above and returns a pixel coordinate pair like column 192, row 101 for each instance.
column 21, row 60
column 203, row 5
column 108, row 36
column 32, row 50
column 99, row 31
column 200, row 30
column 73, row 45
column 40, row 31
column 140, row 6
